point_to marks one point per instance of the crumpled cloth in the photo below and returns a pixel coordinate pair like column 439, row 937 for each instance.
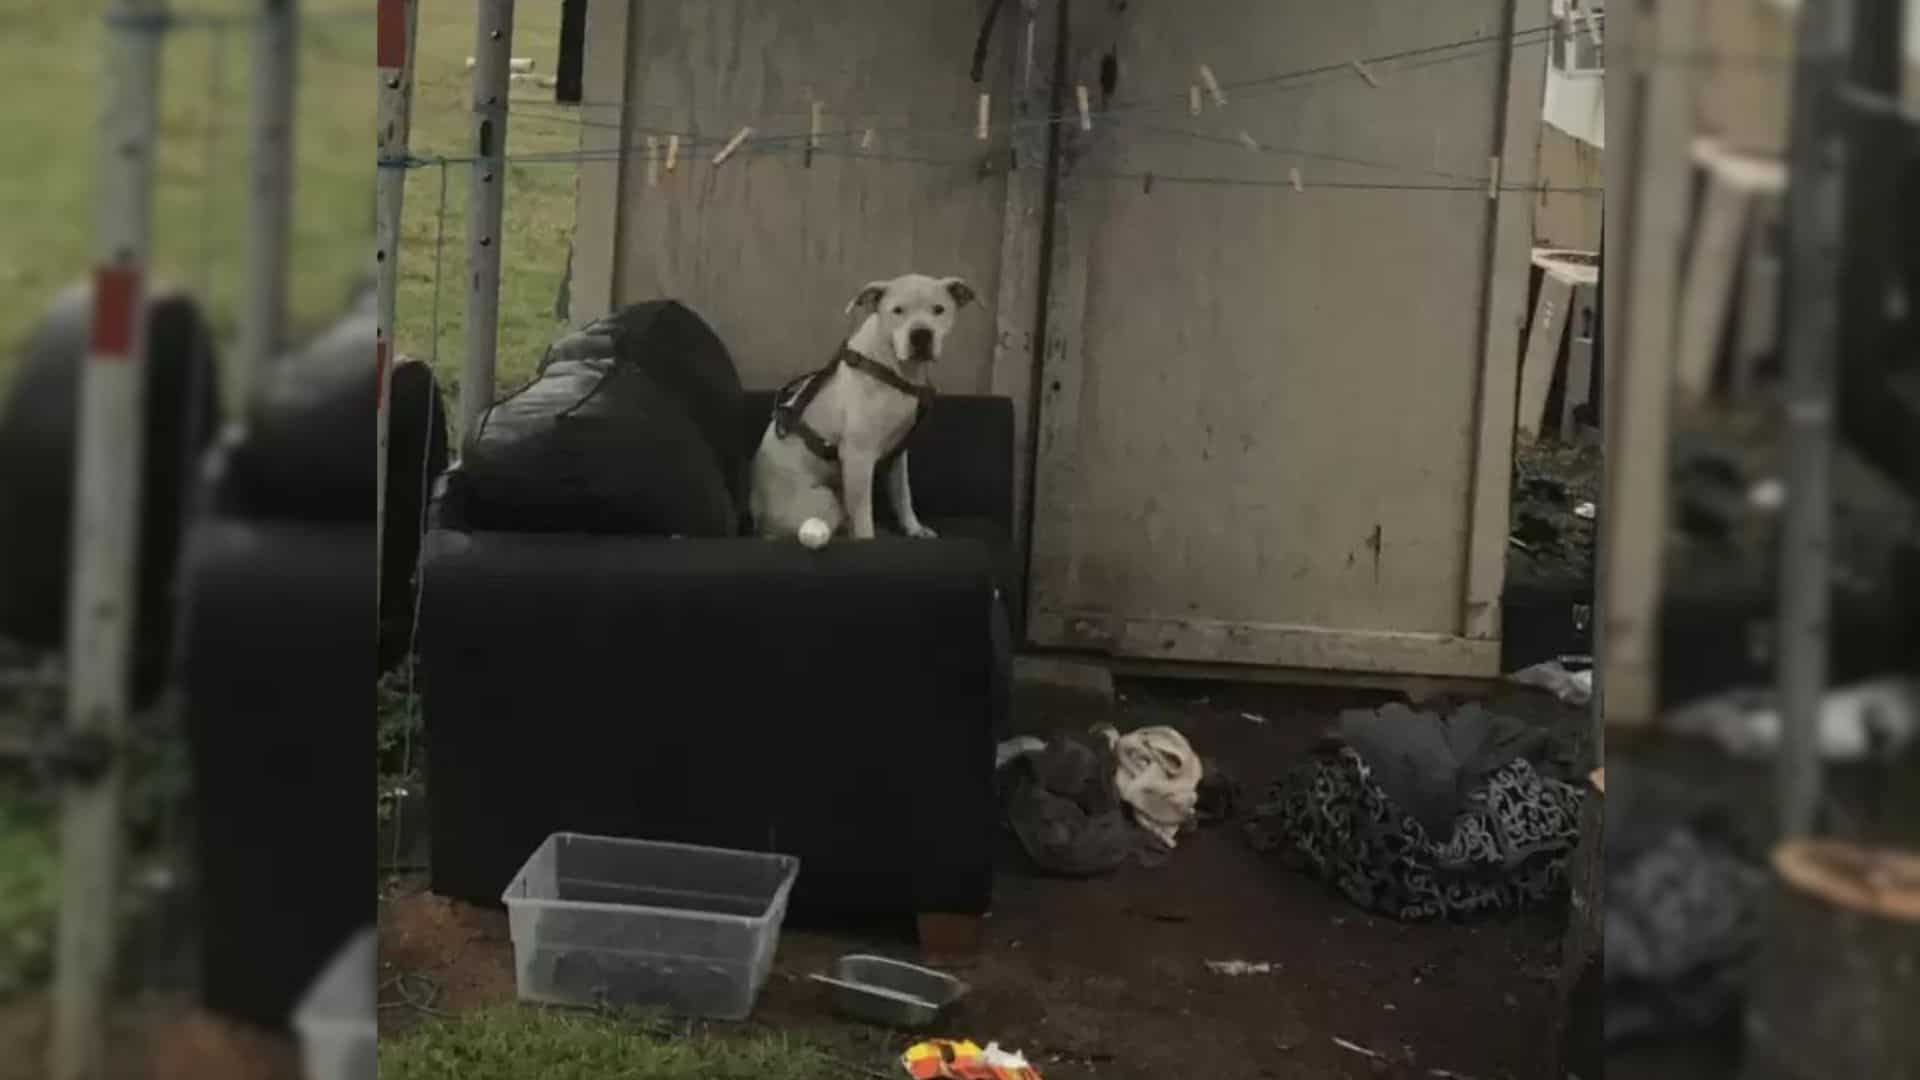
column 1063, row 806
column 1419, row 816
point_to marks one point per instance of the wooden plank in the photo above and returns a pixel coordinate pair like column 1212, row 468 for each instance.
column 606, row 84
column 1551, row 314
column 1510, row 237
column 1707, row 288
column 1639, row 368
column 1028, row 40
column 1223, row 642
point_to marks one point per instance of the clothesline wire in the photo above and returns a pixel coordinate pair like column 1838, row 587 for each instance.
column 975, row 163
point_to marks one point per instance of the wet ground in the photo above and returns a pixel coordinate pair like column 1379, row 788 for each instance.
column 1109, row 977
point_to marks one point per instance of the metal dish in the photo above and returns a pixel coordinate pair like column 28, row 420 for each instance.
column 889, row 992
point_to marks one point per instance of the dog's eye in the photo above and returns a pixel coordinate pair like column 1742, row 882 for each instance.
column 939, row 309
column 899, row 311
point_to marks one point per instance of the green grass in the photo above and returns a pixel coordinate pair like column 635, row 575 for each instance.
column 517, row 1043
column 49, row 76
column 539, row 197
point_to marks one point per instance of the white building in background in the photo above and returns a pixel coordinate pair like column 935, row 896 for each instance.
column 1576, row 80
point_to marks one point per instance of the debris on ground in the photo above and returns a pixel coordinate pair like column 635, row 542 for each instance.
column 1356, row 1048
column 1870, row 720
column 1424, row 815
column 1085, row 805
column 1158, row 776
column 1568, row 678
column 1683, row 896
column 961, row 1059
column 1241, row 967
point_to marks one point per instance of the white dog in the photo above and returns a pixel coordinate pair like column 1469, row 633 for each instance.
column 833, row 429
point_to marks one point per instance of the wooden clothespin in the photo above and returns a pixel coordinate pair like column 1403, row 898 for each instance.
column 1493, row 177
column 983, row 120
column 1361, row 70
column 1086, row 111
column 1213, row 87
column 1593, row 24
column 1247, row 140
column 813, row 133
column 866, row 139
column 733, row 145
column 673, row 152
column 1193, row 98
column 1293, row 179
column 653, row 161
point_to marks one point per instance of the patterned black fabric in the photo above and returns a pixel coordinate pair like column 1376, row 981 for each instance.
column 1507, row 850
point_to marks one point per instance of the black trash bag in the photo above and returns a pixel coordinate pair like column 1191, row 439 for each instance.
column 311, row 428
column 595, row 446
column 685, row 358
column 416, row 456
column 1684, row 894
column 37, row 430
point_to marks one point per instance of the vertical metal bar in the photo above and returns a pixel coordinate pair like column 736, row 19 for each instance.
column 263, row 313
column 1817, row 156
column 492, row 51
column 106, row 517
column 393, row 50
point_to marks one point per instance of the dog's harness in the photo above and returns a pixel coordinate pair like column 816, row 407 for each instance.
column 790, row 408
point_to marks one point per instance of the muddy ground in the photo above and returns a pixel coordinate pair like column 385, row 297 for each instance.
column 1108, row 978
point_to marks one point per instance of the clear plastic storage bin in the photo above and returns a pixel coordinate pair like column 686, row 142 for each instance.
column 604, row 921
column 336, row 1020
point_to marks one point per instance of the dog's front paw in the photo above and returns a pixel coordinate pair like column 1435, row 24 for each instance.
column 921, row 532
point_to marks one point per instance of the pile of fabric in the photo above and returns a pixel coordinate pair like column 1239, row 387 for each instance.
column 1425, row 815
column 1082, row 806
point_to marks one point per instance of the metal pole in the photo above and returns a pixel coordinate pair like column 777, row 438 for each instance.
column 106, row 519
column 492, row 51
column 263, row 315
column 393, row 48
column 1817, row 158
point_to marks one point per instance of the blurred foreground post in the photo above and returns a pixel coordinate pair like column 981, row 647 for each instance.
column 493, row 53
column 263, row 314
column 394, row 54
column 1817, row 157
column 106, row 520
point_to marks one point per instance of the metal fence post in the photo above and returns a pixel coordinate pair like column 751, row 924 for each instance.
column 263, row 316
column 1817, row 158
column 492, row 51
column 394, row 59
column 106, row 518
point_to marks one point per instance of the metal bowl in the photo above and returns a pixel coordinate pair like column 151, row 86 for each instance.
column 890, row 992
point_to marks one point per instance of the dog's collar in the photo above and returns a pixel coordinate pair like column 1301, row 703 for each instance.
column 867, row 365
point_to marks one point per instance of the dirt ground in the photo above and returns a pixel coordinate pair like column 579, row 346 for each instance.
column 1108, row 978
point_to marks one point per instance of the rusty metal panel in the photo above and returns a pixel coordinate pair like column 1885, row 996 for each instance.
column 1264, row 408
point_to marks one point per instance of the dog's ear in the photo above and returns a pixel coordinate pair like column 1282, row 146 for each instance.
column 961, row 292
column 868, row 297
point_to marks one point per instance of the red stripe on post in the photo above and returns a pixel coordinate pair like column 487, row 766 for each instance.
column 380, row 369
column 390, row 45
column 114, row 289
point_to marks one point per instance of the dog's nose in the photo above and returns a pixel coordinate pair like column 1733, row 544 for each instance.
column 920, row 340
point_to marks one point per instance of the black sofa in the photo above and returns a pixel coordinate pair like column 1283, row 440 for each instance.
column 839, row 705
